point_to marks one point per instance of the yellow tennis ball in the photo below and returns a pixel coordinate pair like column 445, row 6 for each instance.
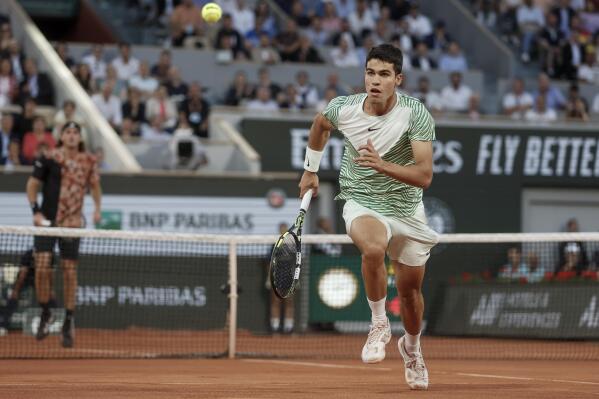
column 211, row 12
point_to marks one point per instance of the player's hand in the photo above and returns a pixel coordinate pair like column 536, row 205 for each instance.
column 97, row 216
column 39, row 220
column 309, row 181
column 369, row 157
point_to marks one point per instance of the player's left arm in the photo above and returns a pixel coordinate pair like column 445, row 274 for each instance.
column 419, row 174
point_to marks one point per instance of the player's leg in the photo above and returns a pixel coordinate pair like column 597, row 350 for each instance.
column 43, row 274
column 69, row 249
column 371, row 235
column 275, row 312
column 289, row 319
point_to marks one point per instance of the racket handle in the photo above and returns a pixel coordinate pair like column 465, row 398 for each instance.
column 306, row 201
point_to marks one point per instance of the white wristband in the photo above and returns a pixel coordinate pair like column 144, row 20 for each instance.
column 312, row 161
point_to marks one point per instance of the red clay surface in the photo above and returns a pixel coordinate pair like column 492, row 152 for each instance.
column 267, row 378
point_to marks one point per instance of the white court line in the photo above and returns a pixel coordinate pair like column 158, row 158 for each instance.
column 506, row 377
column 323, row 365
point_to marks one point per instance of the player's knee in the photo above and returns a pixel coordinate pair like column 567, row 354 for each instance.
column 409, row 295
column 373, row 253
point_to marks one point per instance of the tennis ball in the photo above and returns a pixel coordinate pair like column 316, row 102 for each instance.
column 211, row 12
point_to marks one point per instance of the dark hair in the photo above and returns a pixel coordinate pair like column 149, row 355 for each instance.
column 387, row 53
column 76, row 126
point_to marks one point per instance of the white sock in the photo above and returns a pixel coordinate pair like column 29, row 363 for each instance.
column 288, row 324
column 378, row 309
column 412, row 342
column 275, row 323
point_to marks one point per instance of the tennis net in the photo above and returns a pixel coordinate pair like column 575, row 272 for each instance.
column 488, row 296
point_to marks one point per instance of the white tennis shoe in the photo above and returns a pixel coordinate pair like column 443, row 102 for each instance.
column 379, row 336
column 416, row 373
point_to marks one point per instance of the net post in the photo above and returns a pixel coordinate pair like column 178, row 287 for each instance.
column 232, row 297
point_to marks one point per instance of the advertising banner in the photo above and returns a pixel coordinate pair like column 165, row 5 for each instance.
column 551, row 310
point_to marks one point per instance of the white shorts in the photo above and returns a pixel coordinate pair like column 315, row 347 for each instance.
column 409, row 239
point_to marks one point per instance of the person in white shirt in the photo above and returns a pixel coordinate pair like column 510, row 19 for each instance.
column 96, row 62
column 361, row 18
column 143, row 81
column 456, row 96
column 345, row 55
column 588, row 71
column 540, row 113
column 243, row 17
column 161, row 105
column 126, row 66
column 530, row 21
column 420, row 25
column 109, row 105
column 263, row 101
column 517, row 102
column 453, row 59
column 429, row 97
column 154, row 131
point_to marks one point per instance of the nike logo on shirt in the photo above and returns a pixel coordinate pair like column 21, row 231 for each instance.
column 370, row 129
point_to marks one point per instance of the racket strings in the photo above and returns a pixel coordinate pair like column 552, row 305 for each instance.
column 284, row 262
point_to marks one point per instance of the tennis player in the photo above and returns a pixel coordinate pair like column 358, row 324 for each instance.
column 386, row 164
column 65, row 175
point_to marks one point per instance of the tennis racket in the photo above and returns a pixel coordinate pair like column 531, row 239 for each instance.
column 286, row 257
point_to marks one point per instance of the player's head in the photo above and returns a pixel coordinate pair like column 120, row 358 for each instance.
column 383, row 72
column 70, row 137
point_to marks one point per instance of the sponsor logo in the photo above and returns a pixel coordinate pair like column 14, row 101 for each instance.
column 590, row 315
column 372, row 129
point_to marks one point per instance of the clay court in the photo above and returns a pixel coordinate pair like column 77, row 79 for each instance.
column 267, row 378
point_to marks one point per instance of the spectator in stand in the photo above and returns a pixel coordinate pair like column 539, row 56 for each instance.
column 402, row 39
column 576, row 107
column 161, row 105
column 507, row 23
column 288, row 42
column 536, row 271
column 299, row 15
column 485, row 12
column 161, row 69
column 234, row 36
column 177, row 88
column 333, row 83
column 109, row 105
column 252, row 37
column 154, row 130
column 530, row 22
column 344, row 7
column 453, row 59
column 554, row 99
column 515, row 268
column 24, row 120
column 9, row 88
column 589, row 70
column 518, row 101
column 345, row 29
column 287, row 99
column 265, row 81
column 134, row 108
column 316, row 32
column 382, row 32
column 33, row 139
column 265, row 53
column 439, row 40
column 541, row 113
column 428, row 97
column 329, row 94
column 84, row 77
column 119, row 87
column 572, row 260
column 361, row 19
column 127, row 130
column 419, row 25
column 13, row 53
column 186, row 22
column 197, row 110
column 572, row 57
column 8, row 136
column 143, row 81
column 240, row 90
column 62, row 50
column 308, row 53
column 567, row 248
column 69, row 113
column 243, row 17
column 307, row 92
column 263, row 101
column 345, row 55
column 36, row 85
column 456, row 96
column 564, row 14
column 126, row 66
column 367, row 45
column 96, row 62
column 399, row 8
column 5, row 35
column 262, row 12
column 551, row 41
column 331, row 22
column 421, row 60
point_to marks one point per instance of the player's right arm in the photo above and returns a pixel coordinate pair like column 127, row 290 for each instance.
column 319, row 135
column 40, row 171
